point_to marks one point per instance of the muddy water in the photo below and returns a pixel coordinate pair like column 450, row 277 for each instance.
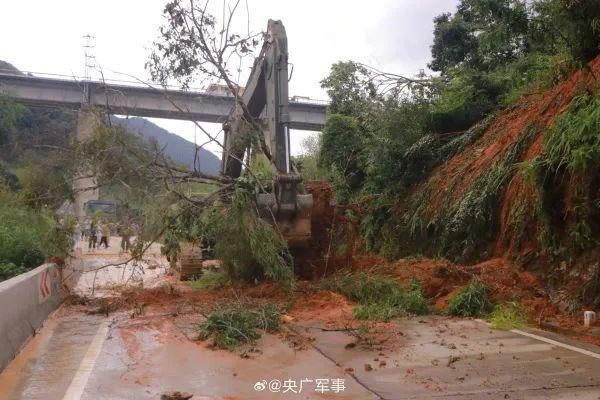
column 103, row 269
column 151, row 358
column 142, row 357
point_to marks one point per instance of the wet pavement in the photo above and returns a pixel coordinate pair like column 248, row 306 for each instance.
column 77, row 355
column 140, row 358
column 102, row 269
column 465, row 359
column 47, row 365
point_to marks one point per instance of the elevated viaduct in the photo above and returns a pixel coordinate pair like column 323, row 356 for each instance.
column 140, row 101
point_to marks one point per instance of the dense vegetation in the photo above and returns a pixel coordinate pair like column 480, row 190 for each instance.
column 384, row 136
column 382, row 140
column 38, row 156
column 35, row 180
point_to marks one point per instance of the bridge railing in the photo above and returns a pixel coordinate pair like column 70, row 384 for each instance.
column 140, row 84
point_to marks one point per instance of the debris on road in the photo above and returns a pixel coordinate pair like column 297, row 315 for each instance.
column 176, row 396
column 452, row 360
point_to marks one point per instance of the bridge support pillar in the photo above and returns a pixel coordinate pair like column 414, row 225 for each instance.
column 84, row 185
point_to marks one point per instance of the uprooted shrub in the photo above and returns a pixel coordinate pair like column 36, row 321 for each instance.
column 249, row 247
column 236, row 323
column 471, row 301
column 379, row 297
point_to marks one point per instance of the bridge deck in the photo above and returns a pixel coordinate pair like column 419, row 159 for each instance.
column 142, row 101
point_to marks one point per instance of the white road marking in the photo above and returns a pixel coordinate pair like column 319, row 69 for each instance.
column 556, row 343
column 549, row 341
column 75, row 389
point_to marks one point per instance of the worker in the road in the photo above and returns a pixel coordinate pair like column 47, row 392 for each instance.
column 83, row 227
column 104, row 234
column 93, row 235
column 85, row 234
column 125, row 237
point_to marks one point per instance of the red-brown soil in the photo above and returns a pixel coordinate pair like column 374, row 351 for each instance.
column 515, row 244
column 176, row 303
column 335, row 236
column 323, row 305
column 449, row 181
column 331, row 229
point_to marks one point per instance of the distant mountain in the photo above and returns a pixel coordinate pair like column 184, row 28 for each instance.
column 6, row 67
column 176, row 147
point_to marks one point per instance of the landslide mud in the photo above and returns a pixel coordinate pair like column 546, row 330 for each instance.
column 334, row 236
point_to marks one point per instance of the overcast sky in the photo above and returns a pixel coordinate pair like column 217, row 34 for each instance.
column 393, row 35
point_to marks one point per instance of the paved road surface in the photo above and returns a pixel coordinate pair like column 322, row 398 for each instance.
column 79, row 356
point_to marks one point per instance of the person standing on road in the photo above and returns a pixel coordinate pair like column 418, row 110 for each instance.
column 85, row 232
column 93, row 236
column 82, row 228
column 104, row 232
column 125, row 237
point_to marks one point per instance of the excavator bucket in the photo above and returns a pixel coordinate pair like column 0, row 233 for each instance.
column 291, row 216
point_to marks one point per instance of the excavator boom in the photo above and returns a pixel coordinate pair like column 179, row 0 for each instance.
column 265, row 103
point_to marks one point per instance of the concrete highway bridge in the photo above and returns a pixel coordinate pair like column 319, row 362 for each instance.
column 139, row 101
column 148, row 101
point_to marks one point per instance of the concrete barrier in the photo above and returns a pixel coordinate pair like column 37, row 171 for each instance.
column 25, row 303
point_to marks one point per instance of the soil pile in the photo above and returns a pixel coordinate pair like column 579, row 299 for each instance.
column 334, row 235
column 489, row 212
column 323, row 305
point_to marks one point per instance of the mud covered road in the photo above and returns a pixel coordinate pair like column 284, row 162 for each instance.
column 78, row 355
column 90, row 357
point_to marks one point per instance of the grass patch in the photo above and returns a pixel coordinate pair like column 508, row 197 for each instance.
column 380, row 297
column 377, row 312
column 210, row 280
column 508, row 316
column 471, row 301
column 236, row 323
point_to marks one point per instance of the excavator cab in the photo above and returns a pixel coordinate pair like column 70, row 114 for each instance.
column 264, row 104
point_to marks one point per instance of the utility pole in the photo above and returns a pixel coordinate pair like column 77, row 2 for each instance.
column 85, row 185
column 89, row 62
